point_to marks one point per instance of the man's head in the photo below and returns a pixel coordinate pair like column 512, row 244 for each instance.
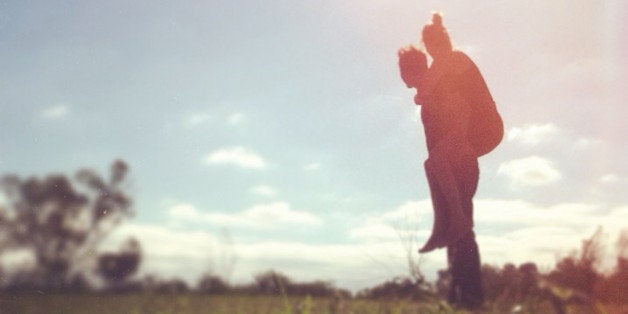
column 436, row 38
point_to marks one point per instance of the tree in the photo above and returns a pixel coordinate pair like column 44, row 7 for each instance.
column 612, row 289
column 579, row 272
column 61, row 221
column 115, row 268
column 212, row 284
column 272, row 282
column 172, row 286
column 397, row 288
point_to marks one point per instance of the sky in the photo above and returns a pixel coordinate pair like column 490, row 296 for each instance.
column 279, row 135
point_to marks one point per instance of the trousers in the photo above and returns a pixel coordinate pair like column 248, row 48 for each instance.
column 463, row 255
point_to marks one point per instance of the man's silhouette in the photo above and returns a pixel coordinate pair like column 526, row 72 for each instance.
column 449, row 91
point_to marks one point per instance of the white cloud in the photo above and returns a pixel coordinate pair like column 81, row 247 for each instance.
column 586, row 143
column 409, row 212
column 164, row 241
column 313, row 166
column 55, row 112
column 532, row 134
column 188, row 254
column 531, row 171
column 180, row 252
column 198, row 118
column 410, row 218
column 261, row 216
column 542, row 244
column 184, row 212
column 518, row 213
column 264, row 190
column 236, row 118
column 516, row 228
column 353, row 266
column 610, row 178
column 616, row 219
column 518, row 231
column 507, row 231
column 171, row 252
column 610, row 186
column 374, row 229
column 238, row 156
column 265, row 216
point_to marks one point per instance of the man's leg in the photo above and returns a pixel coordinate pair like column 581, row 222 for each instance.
column 466, row 288
column 464, row 256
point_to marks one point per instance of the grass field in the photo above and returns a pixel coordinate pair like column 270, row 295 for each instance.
column 197, row 303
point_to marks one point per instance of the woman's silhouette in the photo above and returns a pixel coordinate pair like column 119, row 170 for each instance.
column 448, row 91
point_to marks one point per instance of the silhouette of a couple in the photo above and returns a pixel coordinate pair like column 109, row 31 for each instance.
column 460, row 123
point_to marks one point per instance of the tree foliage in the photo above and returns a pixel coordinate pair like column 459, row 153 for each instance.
column 213, row 284
column 272, row 282
column 579, row 271
column 115, row 268
column 61, row 221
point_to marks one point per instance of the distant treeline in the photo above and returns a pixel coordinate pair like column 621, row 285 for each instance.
column 266, row 283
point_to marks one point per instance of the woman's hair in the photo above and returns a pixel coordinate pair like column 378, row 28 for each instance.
column 435, row 34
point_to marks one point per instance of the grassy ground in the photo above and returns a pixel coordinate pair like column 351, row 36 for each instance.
column 195, row 303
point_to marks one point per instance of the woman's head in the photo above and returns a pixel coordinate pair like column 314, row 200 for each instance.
column 436, row 38
column 413, row 64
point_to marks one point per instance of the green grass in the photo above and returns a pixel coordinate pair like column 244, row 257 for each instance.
column 141, row 303
column 197, row 303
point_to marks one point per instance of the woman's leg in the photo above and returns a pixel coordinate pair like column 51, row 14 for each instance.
column 450, row 220
column 439, row 205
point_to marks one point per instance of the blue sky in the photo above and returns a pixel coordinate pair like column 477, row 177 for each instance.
column 279, row 135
